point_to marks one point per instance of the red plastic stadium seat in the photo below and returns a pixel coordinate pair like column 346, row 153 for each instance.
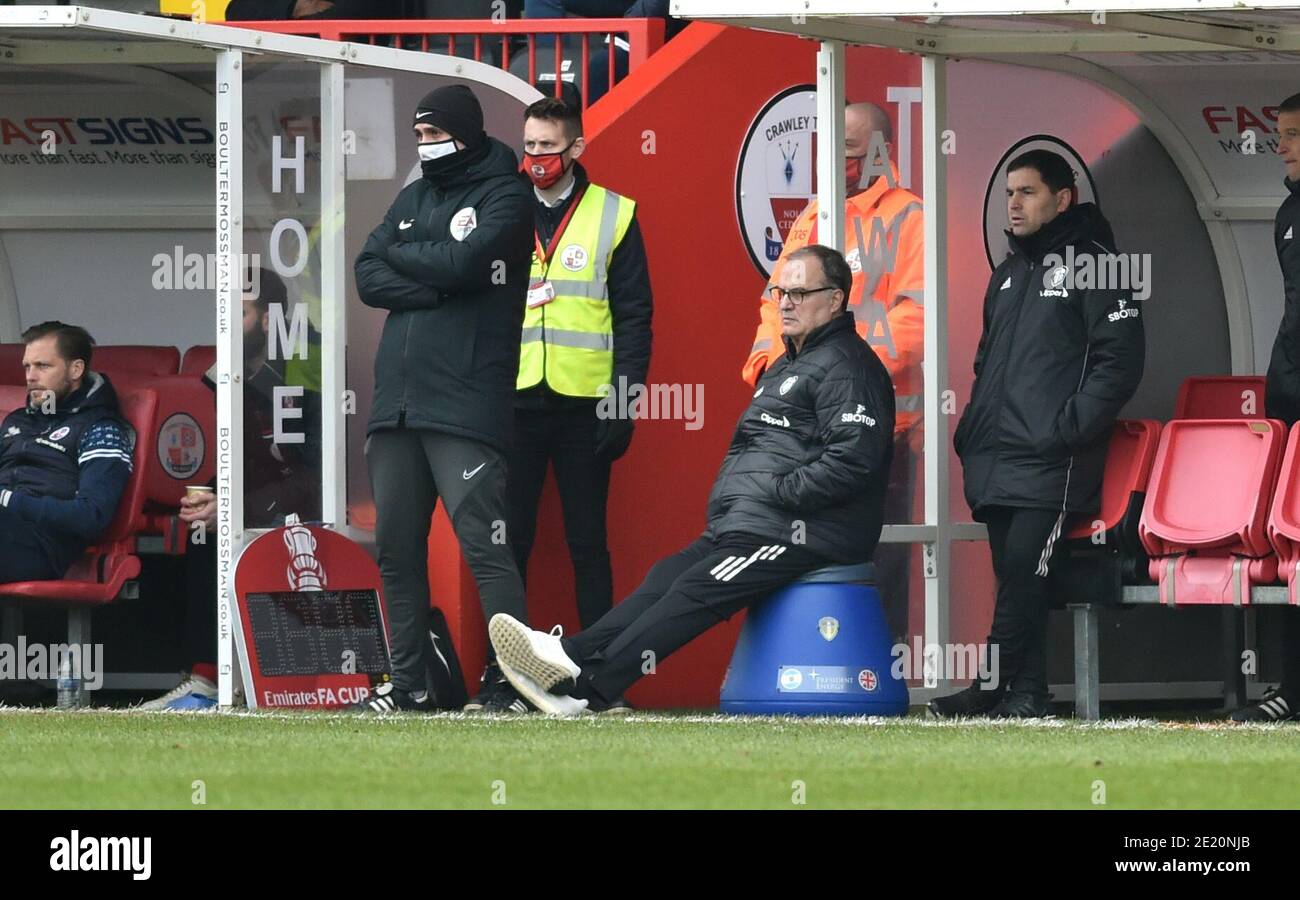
column 198, row 359
column 1205, row 521
column 1221, row 397
column 11, row 364
column 115, row 360
column 180, row 447
column 12, row 397
column 99, row 576
column 1129, row 457
column 137, row 360
column 1284, row 517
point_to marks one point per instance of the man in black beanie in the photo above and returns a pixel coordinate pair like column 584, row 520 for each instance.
column 450, row 264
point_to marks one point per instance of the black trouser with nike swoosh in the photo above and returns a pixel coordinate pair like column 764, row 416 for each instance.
column 682, row 596
column 410, row 469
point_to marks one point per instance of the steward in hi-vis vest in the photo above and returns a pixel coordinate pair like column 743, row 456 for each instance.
column 586, row 332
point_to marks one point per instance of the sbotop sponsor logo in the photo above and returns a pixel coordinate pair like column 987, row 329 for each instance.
column 930, row 663
column 1098, row 271
column 22, row 661
column 84, row 853
column 675, row 402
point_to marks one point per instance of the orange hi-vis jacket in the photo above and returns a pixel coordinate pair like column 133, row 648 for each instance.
column 884, row 245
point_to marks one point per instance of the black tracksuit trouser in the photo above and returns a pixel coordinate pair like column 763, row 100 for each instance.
column 682, row 596
column 410, row 469
column 564, row 439
column 1022, row 542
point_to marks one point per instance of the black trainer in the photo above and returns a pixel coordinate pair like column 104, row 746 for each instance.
column 974, row 701
column 388, row 698
column 505, row 699
column 488, row 685
column 1022, row 705
column 1278, row 705
column 619, row 707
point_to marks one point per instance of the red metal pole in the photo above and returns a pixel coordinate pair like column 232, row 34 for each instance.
column 559, row 69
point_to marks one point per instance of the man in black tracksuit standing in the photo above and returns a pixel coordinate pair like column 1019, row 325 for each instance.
column 1282, row 391
column 450, row 264
column 802, row 486
column 1059, row 356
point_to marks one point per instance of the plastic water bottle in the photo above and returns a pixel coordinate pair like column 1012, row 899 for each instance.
column 67, row 685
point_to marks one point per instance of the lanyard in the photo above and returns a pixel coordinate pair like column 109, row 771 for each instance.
column 544, row 256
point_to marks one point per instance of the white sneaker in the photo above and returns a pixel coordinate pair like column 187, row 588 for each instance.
column 552, row 704
column 533, row 653
column 195, row 684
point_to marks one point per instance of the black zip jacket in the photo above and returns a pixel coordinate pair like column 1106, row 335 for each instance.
column 448, row 357
column 1057, row 360
column 810, row 457
column 1282, row 390
column 631, row 304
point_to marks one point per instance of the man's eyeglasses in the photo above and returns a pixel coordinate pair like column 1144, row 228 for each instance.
column 798, row 295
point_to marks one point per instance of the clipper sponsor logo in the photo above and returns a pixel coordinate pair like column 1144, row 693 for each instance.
column 101, row 131
column 858, row 418
column 102, row 854
column 42, row 441
column 782, row 422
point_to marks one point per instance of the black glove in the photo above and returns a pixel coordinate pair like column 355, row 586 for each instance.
column 613, row 437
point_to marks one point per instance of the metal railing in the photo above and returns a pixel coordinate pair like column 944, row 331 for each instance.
column 560, row 42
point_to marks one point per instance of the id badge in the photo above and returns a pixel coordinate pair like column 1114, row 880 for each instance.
column 540, row 294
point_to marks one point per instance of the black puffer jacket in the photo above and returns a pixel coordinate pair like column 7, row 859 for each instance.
column 1282, row 393
column 810, row 457
column 1057, row 360
column 450, row 263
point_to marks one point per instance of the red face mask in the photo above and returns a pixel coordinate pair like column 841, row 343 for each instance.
column 544, row 169
column 852, row 171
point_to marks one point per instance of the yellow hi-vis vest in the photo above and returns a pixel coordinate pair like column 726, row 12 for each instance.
column 569, row 342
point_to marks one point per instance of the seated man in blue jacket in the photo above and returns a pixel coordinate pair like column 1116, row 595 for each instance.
column 802, row 486
column 65, row 457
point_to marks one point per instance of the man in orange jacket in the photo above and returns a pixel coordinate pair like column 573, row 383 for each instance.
column 884, row 246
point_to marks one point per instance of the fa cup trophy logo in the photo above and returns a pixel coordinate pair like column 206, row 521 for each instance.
column 305, row 572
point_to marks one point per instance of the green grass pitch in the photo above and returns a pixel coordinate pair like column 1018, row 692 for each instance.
column 89, row 759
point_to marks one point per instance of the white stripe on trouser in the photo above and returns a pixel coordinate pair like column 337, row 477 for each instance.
column 1041, row 571
column 722, row 565
column 734, row 565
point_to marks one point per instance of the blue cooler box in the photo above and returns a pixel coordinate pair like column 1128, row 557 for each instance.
column 820, row 647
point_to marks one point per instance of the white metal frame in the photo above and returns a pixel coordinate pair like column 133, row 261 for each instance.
column 107, row 36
